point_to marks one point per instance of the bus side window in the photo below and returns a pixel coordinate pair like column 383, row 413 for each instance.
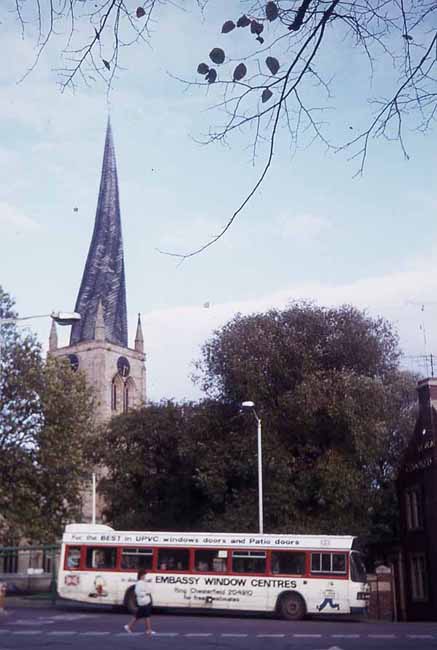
column 136, row 558
column 210, row 560
column 328, row 563
column 288, row 562
column 248, row 561
column 101, row 557
column 72, row 559
column 173, row 559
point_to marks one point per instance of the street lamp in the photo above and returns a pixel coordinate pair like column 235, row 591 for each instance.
column 251, row 405
column 60, row 317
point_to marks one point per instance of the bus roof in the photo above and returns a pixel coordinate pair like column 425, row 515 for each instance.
column 105, row 535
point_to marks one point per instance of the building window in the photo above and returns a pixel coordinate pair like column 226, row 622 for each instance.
column 117, row 394
column 419, row 590
column 414, row 508
column 114, row 395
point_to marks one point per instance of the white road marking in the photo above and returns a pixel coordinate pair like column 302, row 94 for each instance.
column 307, row 636
column 345, row 636
column 94, row 633
column 228, row 635
column 27, row 632
column 202, row 634
column 270, row 636
column 420, row 636
column 167, row 634
column 381, row 636
column 27, row 621
column 61, row 632
column 72, row 617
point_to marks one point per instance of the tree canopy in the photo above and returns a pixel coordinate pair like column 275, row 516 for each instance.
column 336, row 412
column 46, row 423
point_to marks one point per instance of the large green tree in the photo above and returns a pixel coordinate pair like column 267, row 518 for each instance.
column 46, row 428
column 174, row 466
column 336, row 413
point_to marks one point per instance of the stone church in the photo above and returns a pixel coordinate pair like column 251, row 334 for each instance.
column 99, row 341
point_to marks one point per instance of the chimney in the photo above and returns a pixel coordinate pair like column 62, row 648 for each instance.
column 427, row 391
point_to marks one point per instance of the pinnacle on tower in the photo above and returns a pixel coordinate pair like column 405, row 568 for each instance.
column 103, row 279
column 53, row 338
column 139, row 340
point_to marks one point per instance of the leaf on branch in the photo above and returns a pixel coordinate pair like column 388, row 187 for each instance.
column 203, row 68
column 271, row 11
column 106, row 64
column 140, row 12
column 256, row 27
column 217, row 55
column 260, row 39
column 243, row 21
column 97, row 34
column 272, row 64
column 267, row 93
column 211, row 76
column 407, row 37
column 228, row 26
column 240, row 72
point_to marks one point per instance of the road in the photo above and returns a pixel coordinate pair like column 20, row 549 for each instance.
column 89, row 629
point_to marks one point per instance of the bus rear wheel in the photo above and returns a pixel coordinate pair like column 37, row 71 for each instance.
column 130, row 601
column 292, row 607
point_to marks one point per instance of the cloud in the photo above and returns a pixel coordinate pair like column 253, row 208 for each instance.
column 303, row 227
column 174, row 336
column 12, row 220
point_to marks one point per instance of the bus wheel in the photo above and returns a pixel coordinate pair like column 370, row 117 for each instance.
column 130, row 601
column 292, row 607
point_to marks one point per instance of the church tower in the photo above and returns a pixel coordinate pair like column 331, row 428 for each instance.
column 99, row 341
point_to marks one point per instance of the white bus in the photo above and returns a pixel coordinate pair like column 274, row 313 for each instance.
column 291, row 575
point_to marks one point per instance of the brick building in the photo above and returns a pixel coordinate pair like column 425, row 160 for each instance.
column 417, row 491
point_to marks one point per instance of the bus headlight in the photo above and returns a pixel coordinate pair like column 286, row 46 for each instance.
column 363, row 595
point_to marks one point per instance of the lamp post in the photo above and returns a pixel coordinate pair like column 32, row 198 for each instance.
column 251, row 405
column 60, row 317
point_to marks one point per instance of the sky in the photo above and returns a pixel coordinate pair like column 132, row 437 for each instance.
column 314, row 231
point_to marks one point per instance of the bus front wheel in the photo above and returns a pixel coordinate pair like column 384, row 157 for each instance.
column 130, row 601
column 292, row 607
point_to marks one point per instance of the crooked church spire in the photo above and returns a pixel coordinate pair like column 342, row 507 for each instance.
column 103, row 278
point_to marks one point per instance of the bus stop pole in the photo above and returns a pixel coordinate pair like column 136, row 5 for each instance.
column 53, row 592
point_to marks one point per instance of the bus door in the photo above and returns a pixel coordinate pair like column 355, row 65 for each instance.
column 329, row 592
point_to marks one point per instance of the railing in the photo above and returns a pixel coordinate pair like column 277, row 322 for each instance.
column 30, row 569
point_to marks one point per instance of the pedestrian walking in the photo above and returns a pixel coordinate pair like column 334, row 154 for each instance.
column 144, row 601
column 3, row 587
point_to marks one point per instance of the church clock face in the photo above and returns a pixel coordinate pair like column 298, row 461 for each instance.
column 74, row 361
column 123, row 367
